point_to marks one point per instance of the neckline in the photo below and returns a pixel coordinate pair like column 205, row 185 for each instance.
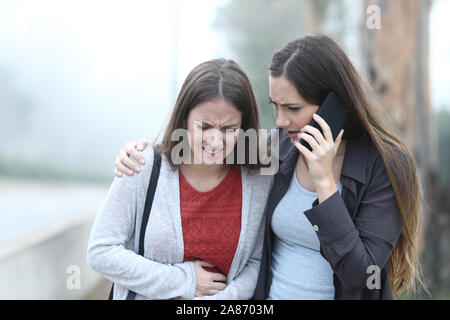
column 217, row 187
column 302, row 189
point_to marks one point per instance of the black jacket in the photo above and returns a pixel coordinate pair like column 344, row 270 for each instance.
column 356, row 229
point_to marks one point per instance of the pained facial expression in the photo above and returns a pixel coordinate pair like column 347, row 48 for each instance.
column 208, row 125
column 292, row 112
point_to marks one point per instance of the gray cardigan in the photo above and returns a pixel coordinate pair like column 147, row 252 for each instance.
column 161, row 272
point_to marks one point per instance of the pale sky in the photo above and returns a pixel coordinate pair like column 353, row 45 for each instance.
column 440, row 54
column 108, row 43
column 102, row 68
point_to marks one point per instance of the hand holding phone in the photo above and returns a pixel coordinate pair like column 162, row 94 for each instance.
column 335, row 113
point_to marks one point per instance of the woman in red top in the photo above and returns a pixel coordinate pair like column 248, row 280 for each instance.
column 221, row 199
column 211, row 221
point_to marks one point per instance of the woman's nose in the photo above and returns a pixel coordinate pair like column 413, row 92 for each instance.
column 214, row 137
column 282, row 120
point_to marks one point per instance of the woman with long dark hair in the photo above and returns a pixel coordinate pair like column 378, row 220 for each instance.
column 364, row 186
column 343, row 219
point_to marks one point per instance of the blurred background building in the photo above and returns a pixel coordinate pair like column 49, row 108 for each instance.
column 80, row 78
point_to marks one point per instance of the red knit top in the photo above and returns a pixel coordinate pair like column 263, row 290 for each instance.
column 211, row 221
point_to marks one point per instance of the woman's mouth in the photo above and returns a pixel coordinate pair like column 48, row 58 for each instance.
column 212, row 151
column 293, row 134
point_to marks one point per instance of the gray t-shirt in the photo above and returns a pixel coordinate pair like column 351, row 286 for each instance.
column 298, row 269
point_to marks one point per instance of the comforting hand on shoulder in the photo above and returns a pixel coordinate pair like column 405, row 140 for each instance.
column 123, row 164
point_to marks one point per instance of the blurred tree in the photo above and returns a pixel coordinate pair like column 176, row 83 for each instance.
column 397, row 62
column 255, row 29
column 396, row 59
column 440, row 231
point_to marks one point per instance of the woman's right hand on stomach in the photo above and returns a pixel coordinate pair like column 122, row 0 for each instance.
column 208, row 283
column 123, row 164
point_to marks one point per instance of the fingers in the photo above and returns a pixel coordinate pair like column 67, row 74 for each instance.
column 208, row 283
column 218, row 277
column 219, row 286
column 305, row 151
column 215, row 287
column 131, row 150
column 137, row 155
column 117, row 173
column 338, row 140
column 212, row 292
column 141, row 144
column 315, row 132
column 215, row 276
column 339, row 137
column 310, row 139
column 205, row 264
column 124, row 163
column 121, row 168
column 325, row 128
column 127, row 162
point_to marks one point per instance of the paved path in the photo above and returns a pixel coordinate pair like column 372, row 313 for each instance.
column 29, row 207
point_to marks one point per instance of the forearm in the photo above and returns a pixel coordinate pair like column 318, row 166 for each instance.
column 325, row 189
column 108, row 252
column 148, row 278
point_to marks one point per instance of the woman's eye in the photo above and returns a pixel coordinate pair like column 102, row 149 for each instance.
column 294, row 109
column 224, row 130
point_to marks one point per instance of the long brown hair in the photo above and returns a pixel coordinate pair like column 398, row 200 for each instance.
column 214, row 79
column 316, row 65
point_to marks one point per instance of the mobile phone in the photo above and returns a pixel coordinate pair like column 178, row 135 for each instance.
column 335, row 113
